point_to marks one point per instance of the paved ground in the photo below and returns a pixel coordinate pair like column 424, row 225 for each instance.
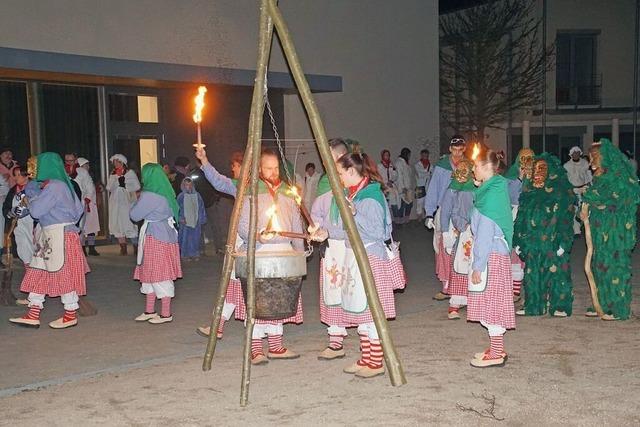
column 112, row 371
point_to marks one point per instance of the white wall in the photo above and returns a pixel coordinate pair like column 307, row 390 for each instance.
column 386, row 52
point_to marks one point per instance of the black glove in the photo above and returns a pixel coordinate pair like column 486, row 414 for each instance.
column 121, row 181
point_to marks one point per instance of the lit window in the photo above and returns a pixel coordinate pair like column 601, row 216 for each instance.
column 147, row 109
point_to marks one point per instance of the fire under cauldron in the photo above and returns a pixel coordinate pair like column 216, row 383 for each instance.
column 278, row 281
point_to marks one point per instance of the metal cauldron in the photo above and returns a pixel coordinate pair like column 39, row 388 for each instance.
column 279, row 272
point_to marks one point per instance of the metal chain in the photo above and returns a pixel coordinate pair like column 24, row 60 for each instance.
column 277, row 135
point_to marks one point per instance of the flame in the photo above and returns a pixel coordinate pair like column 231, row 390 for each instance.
column 476, row 151
column 199, row 101
column 293, row 192
column 274, row 225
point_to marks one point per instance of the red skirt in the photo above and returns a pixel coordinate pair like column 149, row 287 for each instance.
column 384, row 285
column 458, row 284
column 231, row 297
column 241, row 310
column 71, row 277
column 397, row 272
column 494, row 305
column 161, row 262
column 331, row 316
column 443, row 263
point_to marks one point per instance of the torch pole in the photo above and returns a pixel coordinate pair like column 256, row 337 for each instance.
column 396, row 372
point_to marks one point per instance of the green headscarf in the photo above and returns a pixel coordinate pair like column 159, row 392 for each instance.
column 444, row 163
column 50, row 166
column 371, row 191
column 155, row 180
column 492, row 200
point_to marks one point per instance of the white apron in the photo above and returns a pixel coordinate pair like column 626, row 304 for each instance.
column 49, row 251
column 333, row 272
column 143, row 234
column 437, row 235
column 463, row 257
column 238, row 244
column 354, row 297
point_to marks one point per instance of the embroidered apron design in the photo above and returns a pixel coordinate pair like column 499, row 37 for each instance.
column 49, row 252
column 334, row 272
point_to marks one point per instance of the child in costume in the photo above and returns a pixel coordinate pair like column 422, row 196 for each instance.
column 612, row 205
column 158, row 258
column 192, row 216
column 490, row 299
column 437, row 207
column 371, row 214
column 544, row 233
column 462, row 188
column 58, row 265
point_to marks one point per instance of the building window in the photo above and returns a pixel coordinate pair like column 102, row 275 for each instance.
column 577, row 80
column 133, row 108
column 71, row 122
column 14, row 119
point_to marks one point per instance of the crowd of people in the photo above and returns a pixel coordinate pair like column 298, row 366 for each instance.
column 502, row 238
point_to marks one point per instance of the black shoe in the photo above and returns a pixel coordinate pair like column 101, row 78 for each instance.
column 92, row 251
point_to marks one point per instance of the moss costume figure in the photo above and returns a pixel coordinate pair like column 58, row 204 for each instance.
column 613, row 201
column 544, row 232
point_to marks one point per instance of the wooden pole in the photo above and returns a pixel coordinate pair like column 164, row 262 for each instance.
column 255, row 138
column 255, row 121
column 593, row 286
column 394, row 366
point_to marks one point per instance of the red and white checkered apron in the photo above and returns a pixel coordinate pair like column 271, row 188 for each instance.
column 396, row 270
column 384, row 286
column 161, row 261
column 241, row 309
column 443, row 263
column 71, row 277
column 331, row 316
column 494, row 305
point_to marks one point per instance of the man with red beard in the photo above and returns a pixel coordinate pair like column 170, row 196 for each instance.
column 272, row 191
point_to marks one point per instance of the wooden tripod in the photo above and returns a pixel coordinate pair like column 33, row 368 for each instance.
column 269, row 16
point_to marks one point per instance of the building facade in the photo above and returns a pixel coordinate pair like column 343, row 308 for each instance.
column 97, row 77
column 589, row 92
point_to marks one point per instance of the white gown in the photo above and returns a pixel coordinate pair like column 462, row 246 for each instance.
column 120, row 201
column 91, row 222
